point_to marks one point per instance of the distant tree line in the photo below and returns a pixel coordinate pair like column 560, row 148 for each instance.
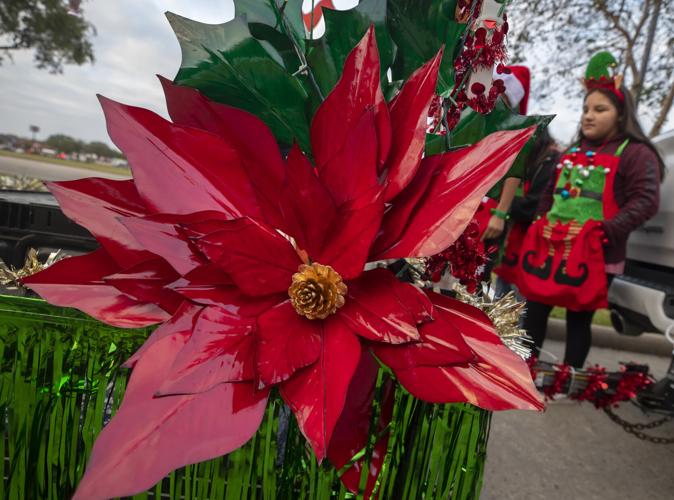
column 64, row 144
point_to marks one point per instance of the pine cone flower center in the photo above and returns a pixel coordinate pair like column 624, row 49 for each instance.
column 317, row 291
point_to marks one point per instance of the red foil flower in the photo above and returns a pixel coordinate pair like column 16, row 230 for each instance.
column 254, row 265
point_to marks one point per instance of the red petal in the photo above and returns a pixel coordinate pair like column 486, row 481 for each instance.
column 286, row 343
column 182, row 323
column 209, row 286
column 97, row 204
column 451, row 198
column 258, row 259
column 409, row 113
column 348, row 244
column 352, row 171
column 207, row 294
column 78, row 282
column 180, row 169
column 352, row 431
column 497, row 380
column 208, row 274
column 258, row 149
column 302, row 189
column 198, row 229
column 145, row 282
column 395, row 219
column 220, row 349
column 381, row 308
column 357, row 90
column 317, row 394
column 442, row 344
column 160, row 235
column 226, row 297
column 149, row 437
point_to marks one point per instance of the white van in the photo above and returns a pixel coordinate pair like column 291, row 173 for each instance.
column 642, row 300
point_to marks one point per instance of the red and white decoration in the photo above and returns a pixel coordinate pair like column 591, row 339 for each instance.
column 312, row 14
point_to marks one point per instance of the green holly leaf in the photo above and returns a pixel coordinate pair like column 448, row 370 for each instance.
column 230, row 66
column 343, row 30
column 419, row 28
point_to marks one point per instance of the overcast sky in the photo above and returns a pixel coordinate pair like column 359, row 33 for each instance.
column 133, row 44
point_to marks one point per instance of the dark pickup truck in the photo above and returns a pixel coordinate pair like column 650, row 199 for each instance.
column 34, row 220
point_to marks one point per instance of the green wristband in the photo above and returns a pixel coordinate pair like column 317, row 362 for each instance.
column 500, row 214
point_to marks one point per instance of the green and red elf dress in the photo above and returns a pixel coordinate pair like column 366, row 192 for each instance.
column 599, row 195
column 522, row 213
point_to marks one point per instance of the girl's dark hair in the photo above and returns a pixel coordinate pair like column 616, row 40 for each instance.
column 628, row 122
column 541, row 148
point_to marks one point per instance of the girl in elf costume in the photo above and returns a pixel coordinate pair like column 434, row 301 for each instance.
column 605, row 186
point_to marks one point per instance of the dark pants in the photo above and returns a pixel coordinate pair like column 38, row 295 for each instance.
column 578, row 330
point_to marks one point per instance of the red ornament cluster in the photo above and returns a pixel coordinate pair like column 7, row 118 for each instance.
column 464, row 259
column 562, row 376
column 484, row 103
column 597, row 389
column 480, row 50
column 435, row 117
column 463, row 8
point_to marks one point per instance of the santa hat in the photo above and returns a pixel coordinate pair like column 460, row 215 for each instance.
column 516, row 80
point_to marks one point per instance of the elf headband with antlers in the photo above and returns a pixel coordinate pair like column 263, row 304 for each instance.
column 601, row 74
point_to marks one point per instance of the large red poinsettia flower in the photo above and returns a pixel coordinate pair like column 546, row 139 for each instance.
column 254, row 266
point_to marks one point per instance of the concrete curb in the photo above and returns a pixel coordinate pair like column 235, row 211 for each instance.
column 604, row 336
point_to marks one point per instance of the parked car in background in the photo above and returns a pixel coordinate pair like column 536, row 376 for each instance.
column 642, row 300
column 34, row 220
column 48, row 152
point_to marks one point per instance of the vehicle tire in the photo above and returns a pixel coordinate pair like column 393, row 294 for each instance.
column 624, row 326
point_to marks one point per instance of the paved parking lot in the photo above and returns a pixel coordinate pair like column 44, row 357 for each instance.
column 574, row 451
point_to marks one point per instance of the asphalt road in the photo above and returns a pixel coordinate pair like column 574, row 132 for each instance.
column 573, row 451
column 48, row 171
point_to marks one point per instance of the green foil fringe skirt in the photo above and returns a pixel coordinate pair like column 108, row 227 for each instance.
column 62, row 380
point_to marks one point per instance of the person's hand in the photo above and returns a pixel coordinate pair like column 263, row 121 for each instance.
column 494, row 228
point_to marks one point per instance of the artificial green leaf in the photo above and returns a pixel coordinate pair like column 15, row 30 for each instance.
column 391, row 89
column 343, row 31
column 419, row 28
column 278, row 23
column 474, row 126
column 269, row 12
column 230, row 66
